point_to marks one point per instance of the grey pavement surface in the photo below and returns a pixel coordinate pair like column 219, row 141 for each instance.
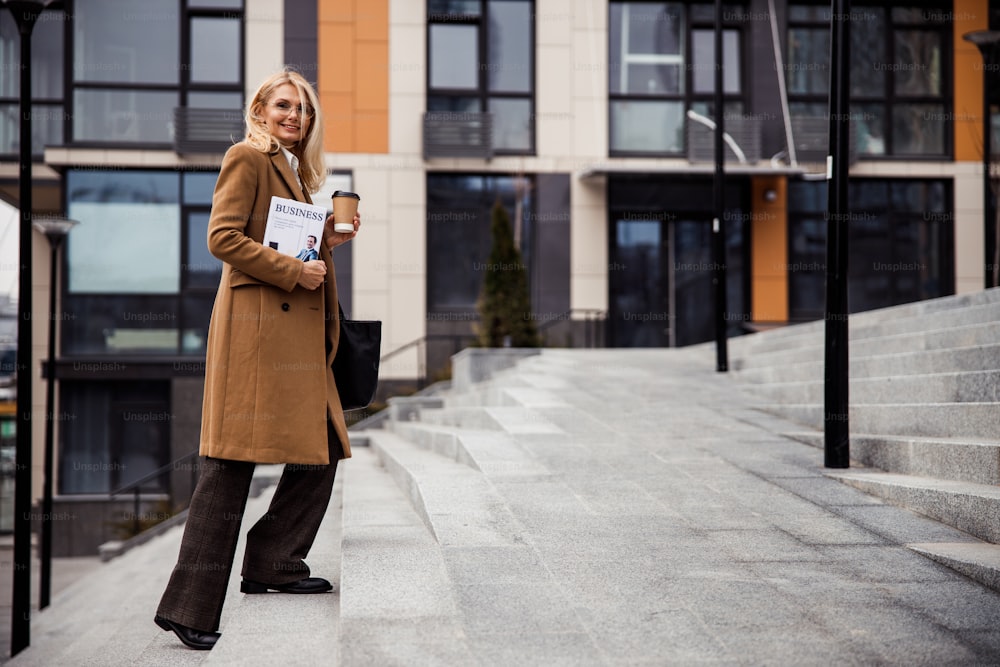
column 634, row 508
column 587, row 507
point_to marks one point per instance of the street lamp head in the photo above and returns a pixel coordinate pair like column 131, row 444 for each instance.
column 54, row 228
column 985, row 40
column 25, row 12
column 26, row 5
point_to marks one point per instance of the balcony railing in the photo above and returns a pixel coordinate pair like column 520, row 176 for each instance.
column 743, row 143
column 812, row 139
column 458, row 134
column 206, row 130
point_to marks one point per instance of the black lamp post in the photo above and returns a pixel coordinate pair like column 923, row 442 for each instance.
column 719, row 223
column 836, row 426
column 25, row 14
column 988, row 43
column 55, row 230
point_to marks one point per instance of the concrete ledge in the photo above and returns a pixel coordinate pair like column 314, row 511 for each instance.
column 978, row 561
column 966, row 506
column 960, row 460
column 458, row 505
column 473, row 365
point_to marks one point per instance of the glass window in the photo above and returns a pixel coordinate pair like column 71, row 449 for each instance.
column 113, row 40
column 114, row 116
column 215, row 50
column 484, row 64
column 128, row 239
column 46, row 127
column 511, row 123
column 215, row 4
column 201, row 267
column 647, row 127
column 510, row 62
column 199, row 186
column 458, row 234
column 901, row 240
column 46, row 56
column 918, row 62
column 453, row 7
column 47, row 60
column 454, row 56
column 703, row 61
column 120, row 433
column 808, row 55
column 868, row 41
column 661, row 63
column 646, row 48
column 900, row 103
column 215, row 100
column 123, row 94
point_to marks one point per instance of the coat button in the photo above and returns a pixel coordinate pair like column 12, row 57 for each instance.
column 285, row 307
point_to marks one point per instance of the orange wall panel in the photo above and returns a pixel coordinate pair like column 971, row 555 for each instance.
column 970, row 15
column 372, row 19
column 353, row 74
column 370, row 132
column 337, row 50
column 769, row 250
column 338, row 112
column 372, row 74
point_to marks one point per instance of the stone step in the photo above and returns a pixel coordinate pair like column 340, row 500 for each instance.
column 976, row 461
column 974, row 358
column 970, row 507
column 511, row 419
column 964, row 387
column 458, row 504
column 977, row 307
column 494, row 453
column 941, row 420
column 811, row 348
column 978, row 561
column 397, row 605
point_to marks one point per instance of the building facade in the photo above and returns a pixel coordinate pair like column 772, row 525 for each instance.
column 589, row 120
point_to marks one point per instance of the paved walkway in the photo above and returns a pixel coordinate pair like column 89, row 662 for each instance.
column 65, row 571
column 598, row 508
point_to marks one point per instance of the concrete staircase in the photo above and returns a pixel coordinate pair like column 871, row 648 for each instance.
column 578, row 507
column 924, row 410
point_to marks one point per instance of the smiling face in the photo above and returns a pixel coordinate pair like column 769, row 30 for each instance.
column 283, row 116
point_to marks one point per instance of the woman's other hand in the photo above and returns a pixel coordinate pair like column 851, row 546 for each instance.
column 313, row 273
column 334, row 239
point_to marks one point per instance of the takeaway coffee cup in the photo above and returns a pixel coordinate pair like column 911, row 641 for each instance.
column 345, row 206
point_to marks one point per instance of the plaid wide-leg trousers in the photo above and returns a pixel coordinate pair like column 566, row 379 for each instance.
column 275, row 547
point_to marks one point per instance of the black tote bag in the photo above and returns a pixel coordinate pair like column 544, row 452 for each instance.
column 355, row 367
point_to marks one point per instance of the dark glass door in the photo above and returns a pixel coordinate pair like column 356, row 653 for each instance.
column 640, row 313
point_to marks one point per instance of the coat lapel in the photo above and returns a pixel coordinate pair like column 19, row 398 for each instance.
column 285, row 171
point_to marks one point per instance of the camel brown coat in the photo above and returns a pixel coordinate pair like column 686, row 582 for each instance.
column 268, row 385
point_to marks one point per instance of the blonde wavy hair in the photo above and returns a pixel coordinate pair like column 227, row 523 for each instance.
column 309, row 150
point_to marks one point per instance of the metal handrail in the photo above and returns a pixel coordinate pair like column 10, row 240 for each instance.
column 136, row 486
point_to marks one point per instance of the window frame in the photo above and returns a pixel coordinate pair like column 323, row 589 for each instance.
column 183, row 87
column 155, row 302
column 889, row 99
column 55, row 12
column 482, row 92
column 732, row 22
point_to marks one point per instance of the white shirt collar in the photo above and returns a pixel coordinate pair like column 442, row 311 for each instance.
column 293, row 162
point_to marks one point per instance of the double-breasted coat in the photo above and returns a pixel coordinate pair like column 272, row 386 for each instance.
column 269, row 389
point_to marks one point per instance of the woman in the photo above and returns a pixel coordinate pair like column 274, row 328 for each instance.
column 270, row 396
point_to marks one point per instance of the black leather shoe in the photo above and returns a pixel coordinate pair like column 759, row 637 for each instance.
column 307, row 585
column 196, row 639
